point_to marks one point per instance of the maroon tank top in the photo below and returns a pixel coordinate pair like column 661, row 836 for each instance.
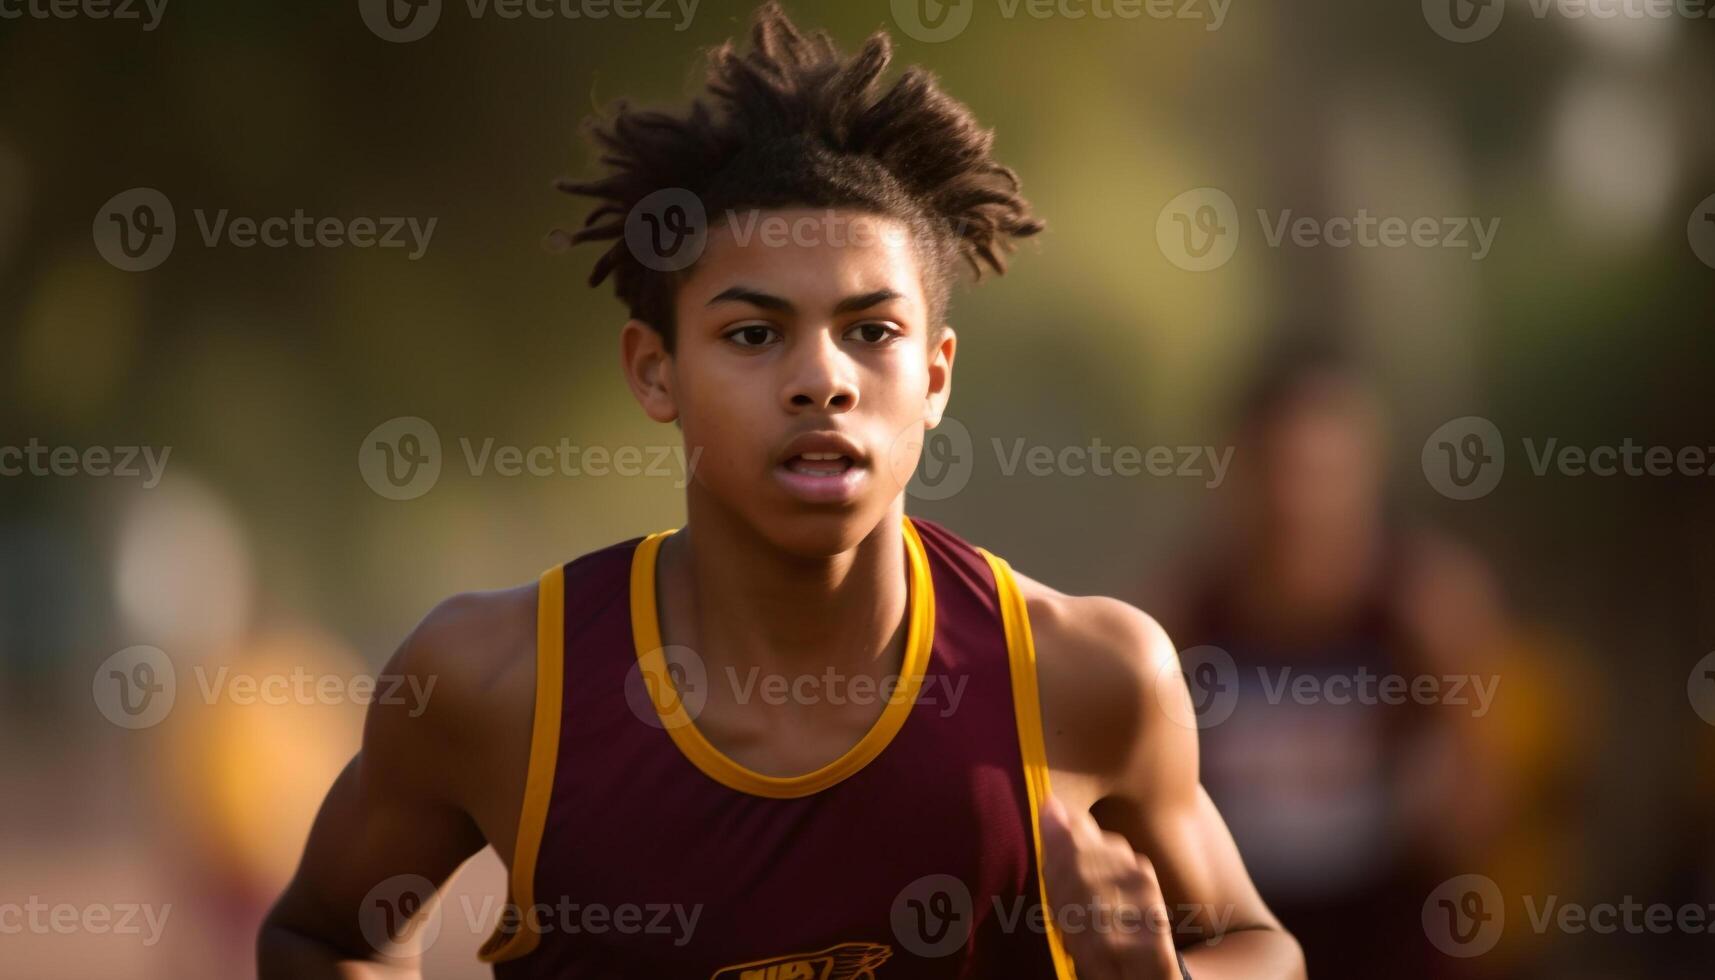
column 643, row 852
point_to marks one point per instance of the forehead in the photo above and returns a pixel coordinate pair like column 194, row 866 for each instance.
column 813, row 256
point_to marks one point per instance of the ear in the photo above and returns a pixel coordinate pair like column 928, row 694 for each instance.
column 942, row 346
column 648, row 368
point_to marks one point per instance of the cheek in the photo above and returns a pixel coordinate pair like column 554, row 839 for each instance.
column 903, row 452
column 900, row 384
column 718, row 419
column 898, row 402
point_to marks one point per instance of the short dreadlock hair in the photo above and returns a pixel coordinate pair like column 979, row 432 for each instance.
column 795, row 123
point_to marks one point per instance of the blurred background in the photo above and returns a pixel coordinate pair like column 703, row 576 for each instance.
column 1358, row 531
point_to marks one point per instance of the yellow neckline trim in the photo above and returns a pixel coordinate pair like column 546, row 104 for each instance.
column 646, row 634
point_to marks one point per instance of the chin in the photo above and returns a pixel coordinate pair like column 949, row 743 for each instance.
column 820, row 532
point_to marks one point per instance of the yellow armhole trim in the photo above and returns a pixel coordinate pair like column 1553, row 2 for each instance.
column 1027, row 709
column 539, row 783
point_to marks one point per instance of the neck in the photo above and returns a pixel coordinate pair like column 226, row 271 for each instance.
column 740, row 601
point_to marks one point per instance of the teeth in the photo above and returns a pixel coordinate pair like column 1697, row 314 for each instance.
column 819, row 464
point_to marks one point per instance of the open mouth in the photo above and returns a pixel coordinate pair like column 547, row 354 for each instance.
column 822, row 476
column 826, row 467
column 820, row 464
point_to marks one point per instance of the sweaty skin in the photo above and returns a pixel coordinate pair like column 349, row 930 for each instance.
column 774, row 342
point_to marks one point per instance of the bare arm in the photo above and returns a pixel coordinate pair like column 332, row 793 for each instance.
column 392, row 829
column 1153, row 837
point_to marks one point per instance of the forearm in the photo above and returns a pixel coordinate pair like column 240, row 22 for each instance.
column 1261, row 953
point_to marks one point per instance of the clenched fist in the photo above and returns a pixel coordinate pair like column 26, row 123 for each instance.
column 1106, row 899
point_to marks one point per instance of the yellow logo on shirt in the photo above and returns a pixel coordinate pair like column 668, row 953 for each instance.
column 847, row 961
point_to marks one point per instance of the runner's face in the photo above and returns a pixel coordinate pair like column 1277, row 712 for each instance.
column 807, row 322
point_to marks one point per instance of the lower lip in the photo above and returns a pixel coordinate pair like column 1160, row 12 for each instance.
column 830, row 489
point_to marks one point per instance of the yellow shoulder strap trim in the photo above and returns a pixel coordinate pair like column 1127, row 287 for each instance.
column 1027, row 709
column 516, row 935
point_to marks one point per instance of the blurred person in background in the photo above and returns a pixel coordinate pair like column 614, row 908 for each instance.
column 1350, row 799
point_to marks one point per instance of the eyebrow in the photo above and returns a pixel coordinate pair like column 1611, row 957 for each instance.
column 768, row 301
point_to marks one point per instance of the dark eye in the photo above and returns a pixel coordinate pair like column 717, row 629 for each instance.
column 751, row 335
column 872, row 332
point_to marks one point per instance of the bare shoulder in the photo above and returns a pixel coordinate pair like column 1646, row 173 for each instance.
column 477, row 644
column 1108, row 677
column 464, row 737
column 1111, row 632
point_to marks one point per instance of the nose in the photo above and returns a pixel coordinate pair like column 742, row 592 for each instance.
column 821, row 376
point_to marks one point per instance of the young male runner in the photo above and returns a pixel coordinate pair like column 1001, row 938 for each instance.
column 608, row 730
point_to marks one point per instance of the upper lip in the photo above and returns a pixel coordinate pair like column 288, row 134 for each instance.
column 822, row 442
